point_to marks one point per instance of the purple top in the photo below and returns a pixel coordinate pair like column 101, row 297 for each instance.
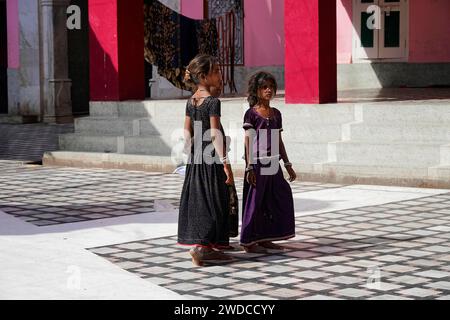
column 265, row 130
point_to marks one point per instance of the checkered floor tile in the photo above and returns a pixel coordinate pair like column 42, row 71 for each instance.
column 398, row 250
column 48, row 196
column 28, row 142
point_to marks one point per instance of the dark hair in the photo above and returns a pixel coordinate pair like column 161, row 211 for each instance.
column 200, row 66
column 257, row 81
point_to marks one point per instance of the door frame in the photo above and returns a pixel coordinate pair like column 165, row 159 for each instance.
column 357, row 55
column 4, row 68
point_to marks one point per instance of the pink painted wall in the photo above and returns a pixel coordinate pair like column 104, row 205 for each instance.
column 103, row 53
column 344, row 31
column 263, row 29
column 12, row 8
column 115, row 50
column 264, row 32
column 429, row 31
column 192, row 8
column 310, row 61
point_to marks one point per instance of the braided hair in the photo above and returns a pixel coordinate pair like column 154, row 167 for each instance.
column 257, row 81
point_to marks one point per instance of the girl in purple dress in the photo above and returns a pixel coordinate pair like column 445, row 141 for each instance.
column 268, row 205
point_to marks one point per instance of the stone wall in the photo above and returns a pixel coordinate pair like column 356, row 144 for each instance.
column 24, row 83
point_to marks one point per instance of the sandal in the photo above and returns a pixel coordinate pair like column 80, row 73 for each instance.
column 199, row 255
column 271, row 245
column 255, row 249
column 228, row 248
column 216, row 255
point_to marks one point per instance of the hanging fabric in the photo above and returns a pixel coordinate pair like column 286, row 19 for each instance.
column 172, row 40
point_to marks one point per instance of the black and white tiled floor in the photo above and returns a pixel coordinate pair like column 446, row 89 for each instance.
column 48, row 196
column 398, row 250
column 28, row 142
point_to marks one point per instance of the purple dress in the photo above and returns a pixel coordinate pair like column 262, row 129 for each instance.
column 268, row 208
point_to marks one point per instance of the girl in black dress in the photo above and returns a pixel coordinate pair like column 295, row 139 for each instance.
column 204, row 206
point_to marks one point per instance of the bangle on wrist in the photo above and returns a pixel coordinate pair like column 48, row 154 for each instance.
column 249, row 168
column 287, row 164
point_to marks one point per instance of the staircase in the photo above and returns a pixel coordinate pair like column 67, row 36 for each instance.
column 396, row 143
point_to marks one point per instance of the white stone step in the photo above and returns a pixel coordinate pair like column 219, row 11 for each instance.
column 143, row 145
column 109, row 161
column 160, row 109
column 395, row 132
column 382, row 171
column 231, row 110
column 122, row 108
column 312, row 133
column 123, row 126
column 147, row 145
column 89, row 143
column 401, row 154
column 441, row 173
column 445, row 155
column 103, row 109
column 103, row 125
column 308, row 153
column 323, row 114
column 405, row 113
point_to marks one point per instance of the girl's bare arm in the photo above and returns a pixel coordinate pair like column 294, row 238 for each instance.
column 283, row 152
column 188, row 134
column 217, row 137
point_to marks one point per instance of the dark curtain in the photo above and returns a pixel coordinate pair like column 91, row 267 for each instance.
column 172, row 40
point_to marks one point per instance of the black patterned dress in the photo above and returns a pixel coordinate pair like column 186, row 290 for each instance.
column 204, row 204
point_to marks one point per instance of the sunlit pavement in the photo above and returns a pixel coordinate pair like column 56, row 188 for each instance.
column 69, row 233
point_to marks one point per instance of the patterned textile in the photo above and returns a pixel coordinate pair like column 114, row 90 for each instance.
column 204, row 205
column 172, row 40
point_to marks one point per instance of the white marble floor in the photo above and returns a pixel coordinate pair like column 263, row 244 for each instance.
column 51, row 262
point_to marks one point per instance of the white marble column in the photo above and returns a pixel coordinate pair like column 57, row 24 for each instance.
column 56, row 85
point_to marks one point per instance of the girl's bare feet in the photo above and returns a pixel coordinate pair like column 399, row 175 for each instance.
column 216, row 255
column 196, row 256
column 255, row 248
column 204, row 254
column 271, row 245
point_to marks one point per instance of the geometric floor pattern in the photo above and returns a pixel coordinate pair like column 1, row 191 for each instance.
column 47, row 196
column 398, row 250
column 51, row 195
column 28, row 142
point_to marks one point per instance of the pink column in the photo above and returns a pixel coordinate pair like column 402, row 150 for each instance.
column 116, row 41
column 12, row 9
column 311, row 54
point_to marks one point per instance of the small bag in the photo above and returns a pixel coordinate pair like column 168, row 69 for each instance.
column 233, row 212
